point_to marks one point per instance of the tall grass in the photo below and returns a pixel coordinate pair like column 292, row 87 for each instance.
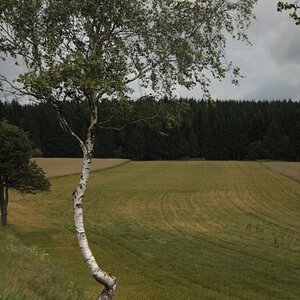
column 27, row 272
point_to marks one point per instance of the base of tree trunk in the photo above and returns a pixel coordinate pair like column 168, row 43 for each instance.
column 4, row 221
column 107, row 294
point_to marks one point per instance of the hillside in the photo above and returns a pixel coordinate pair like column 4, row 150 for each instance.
column 27, row 272
column 54, row 167
column 209, row 230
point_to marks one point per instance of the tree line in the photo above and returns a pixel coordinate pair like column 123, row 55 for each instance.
column 187, row 128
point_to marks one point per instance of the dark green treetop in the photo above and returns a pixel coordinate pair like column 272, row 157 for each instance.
column 17, row 171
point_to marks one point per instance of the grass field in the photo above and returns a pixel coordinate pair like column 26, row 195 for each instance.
column 173, row 230
column 54, row 167
column 290, row 169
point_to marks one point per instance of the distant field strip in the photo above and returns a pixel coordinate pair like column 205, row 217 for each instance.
column 65, row 166
column 176, row 230
column 290, row 169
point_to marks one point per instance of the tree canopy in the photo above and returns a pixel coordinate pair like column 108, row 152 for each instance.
column 75, row 49
column 293, row 7
column 17, row 171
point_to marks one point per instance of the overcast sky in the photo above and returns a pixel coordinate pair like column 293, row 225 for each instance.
column 271, row 66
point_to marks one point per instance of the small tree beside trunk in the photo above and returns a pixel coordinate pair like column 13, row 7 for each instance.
column 17, row 171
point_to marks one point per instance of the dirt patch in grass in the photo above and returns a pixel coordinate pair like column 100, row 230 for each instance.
column 54, row 167
column 290, row 169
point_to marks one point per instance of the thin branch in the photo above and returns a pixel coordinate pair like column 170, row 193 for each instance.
column 64, row 123
column 141, row 73
column 130, row 122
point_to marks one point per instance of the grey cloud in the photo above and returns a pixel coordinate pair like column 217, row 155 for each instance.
column 271, row 66
column 281, row 37
column 9, row 69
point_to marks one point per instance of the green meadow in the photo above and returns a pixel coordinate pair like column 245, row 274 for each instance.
column 167, row 230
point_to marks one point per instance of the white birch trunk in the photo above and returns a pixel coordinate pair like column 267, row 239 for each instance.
column 107, row 280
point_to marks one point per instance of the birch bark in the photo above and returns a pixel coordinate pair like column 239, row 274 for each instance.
column 100, row 276
column 109, row 281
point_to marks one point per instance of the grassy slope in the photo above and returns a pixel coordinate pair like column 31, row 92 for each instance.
column 27, row 273
column 175, row 230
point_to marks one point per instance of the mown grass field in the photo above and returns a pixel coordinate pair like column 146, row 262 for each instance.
column 56, row 167
column 172, row 230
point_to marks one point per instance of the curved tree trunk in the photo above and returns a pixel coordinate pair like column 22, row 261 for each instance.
column 107, row 280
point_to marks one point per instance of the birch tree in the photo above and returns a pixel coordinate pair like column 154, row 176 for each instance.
column 90, row 50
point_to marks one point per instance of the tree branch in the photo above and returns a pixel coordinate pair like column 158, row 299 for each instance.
column 130, row 122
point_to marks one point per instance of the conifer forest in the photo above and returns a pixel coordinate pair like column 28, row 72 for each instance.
column 187, row 129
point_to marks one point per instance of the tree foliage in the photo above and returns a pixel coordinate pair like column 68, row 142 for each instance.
column 17, row 171
column 77, row 48
column 293, row 7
